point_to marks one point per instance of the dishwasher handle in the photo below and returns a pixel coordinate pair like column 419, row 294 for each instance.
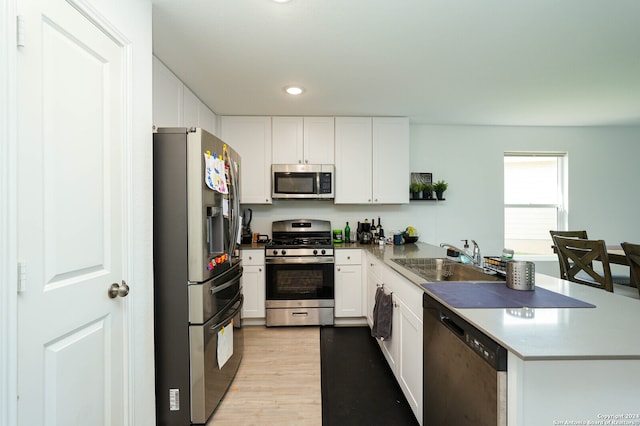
column 451, row 325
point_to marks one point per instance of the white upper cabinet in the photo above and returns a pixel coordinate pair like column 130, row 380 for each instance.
column 207, row 119
column 287, row 140
column 372, row 160
column 391, row 160
column 302, row 140
column 353, row 160
column 196, row 113
column 190, row 108
column 167, row 96
column 251, row 138
column 175, row 105
column 318, row 140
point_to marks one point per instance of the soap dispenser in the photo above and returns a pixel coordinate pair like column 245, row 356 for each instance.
column 453, row 255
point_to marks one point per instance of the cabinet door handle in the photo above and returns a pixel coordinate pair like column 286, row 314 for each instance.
column 338, row 269
column 259, row 269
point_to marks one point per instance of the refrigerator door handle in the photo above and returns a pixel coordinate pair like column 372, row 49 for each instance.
column 235, row 189
column 228, row 284
column 225, row 322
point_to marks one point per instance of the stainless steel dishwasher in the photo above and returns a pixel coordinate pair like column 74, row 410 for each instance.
column 465, row 371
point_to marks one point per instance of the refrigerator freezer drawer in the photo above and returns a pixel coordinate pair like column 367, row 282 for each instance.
column 209, row 382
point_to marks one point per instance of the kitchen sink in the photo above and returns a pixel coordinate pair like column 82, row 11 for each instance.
column 441, row 269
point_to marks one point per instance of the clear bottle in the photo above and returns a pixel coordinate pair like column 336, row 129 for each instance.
column 347, row 233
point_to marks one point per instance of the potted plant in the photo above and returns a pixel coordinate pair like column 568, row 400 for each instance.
column 427, row 191
column 415, row 189
column 439, row 187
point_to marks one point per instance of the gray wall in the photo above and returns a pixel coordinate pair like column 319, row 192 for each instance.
column 602, row 177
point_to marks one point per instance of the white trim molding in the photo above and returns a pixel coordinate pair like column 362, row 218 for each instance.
column 8, row 219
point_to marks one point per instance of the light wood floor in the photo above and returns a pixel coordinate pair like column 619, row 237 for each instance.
column 278, row 382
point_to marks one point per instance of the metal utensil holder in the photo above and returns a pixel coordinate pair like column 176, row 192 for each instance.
column 521, row 275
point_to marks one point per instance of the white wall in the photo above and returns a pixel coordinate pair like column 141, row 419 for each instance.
column 602, row 174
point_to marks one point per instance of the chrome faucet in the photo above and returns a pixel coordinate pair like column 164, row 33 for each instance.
column 475, row 258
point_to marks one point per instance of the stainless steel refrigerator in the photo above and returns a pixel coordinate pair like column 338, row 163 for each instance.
column 197, row 287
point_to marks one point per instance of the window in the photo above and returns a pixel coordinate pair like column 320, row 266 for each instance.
column 534, row 200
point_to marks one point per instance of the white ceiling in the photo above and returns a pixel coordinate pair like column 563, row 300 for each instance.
column 478, row 62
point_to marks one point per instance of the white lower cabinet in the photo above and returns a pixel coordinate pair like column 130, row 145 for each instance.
column 348, row 283
column 403, row 351
column 253, row 283
column 372, row 282
column 409, row 366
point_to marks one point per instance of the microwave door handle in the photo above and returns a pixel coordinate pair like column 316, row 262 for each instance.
column 318, row 183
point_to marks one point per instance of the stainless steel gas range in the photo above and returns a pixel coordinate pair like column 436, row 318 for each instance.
column 300, row 277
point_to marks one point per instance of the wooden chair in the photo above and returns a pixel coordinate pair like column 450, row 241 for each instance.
column 632, row 251
column 568, row 234
column 576, row 261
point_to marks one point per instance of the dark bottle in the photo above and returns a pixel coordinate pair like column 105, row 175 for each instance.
column 380, row 230
column 347, row 233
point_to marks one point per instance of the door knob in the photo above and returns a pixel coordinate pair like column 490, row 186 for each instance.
column 118, row 290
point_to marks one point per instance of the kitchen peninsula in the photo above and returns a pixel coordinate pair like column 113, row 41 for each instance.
column 564, row 364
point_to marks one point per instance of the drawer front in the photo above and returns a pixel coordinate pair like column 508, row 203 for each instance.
column 252, row 257
column 348, row 257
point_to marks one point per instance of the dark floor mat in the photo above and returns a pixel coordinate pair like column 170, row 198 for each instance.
column 358, row 387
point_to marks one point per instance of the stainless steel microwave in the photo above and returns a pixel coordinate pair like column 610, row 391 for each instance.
column 314, row 181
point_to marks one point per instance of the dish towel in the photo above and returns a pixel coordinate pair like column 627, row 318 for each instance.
column 382, row 315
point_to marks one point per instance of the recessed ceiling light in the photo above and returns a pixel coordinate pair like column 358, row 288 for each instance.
column 293, row 90
column 281, row 1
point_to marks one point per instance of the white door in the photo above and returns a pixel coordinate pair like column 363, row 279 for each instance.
column 71, row 238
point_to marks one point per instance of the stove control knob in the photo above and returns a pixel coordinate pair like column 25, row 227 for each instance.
column 275, row 252
column 315, row 252
column 283, row 252
column 323, row 251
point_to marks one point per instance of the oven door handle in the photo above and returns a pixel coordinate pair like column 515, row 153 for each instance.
column 225, row 322
column 299, row 260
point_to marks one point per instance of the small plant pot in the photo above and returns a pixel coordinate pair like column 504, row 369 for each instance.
column 440, row 195
column 427, row 195
column 416, row 195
